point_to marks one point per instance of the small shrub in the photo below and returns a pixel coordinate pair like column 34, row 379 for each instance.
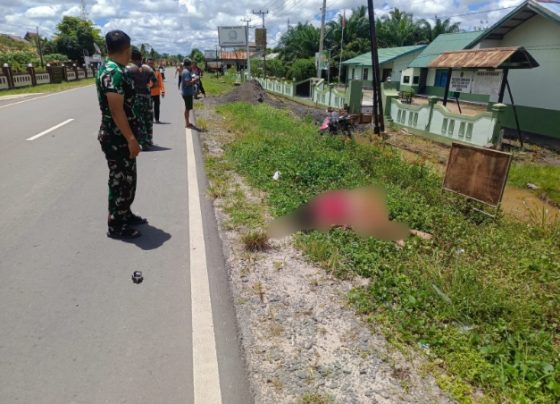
column 255, row 241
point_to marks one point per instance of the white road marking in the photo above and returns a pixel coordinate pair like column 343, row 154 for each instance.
column 55, row 127
column 206, row 377
column 45, row 96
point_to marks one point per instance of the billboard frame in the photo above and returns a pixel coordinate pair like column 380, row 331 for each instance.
column 233, row 36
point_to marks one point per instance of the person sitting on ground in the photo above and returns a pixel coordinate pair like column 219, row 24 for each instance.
column 362, row 210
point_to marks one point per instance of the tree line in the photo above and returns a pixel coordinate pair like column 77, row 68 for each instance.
column 74, row 38
column 298, row 45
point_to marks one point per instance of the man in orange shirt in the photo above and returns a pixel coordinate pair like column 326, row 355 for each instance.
column 157, row 89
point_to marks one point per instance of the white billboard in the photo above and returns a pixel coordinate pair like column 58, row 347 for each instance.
column 211, row 54
column 232, row 37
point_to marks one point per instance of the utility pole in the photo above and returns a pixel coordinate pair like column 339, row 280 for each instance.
column 262, row 14
column 84, row 14
column 247, row 21
column 39, row 48
column 323, row 12
column 379, row 125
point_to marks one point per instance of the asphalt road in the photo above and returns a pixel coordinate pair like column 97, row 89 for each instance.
column 73, row 326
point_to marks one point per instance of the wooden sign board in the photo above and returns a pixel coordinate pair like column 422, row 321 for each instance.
column 477, row 173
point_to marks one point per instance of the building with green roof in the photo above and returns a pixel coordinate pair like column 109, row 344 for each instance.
column 421, row 79
column 392, row 62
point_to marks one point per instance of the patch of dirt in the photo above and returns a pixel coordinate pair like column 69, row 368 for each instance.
column 252, row 92
column 249, row 91
column 298, row 333
column 521, row 204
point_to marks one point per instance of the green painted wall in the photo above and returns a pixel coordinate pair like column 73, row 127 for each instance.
column 440, row 92
column 534, row 120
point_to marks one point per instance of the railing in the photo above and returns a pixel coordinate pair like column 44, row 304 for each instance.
column 4, row 83
column 43, row 78
column 22, row 80
column 89, row 71
column 283, row 87
column 81, row 74
column 70, row 75
column 328, row 96
column 437, row 120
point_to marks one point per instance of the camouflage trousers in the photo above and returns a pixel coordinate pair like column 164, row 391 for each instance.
column 122, row 189
column 146, row 124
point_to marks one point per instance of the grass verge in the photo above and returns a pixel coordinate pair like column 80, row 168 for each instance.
column 218, row 85
column 48, row 88
column 547, row 178
column 480, row 300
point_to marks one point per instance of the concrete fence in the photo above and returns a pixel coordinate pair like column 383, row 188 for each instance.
column 278, row 86
column 4, row 85
column 22, row 80
column 437, row 121
column 69, row 74
column 327, row 95
column 43, row 78
column 55, row 74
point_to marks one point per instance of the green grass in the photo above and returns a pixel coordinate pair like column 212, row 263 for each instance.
column 481, row 300
column 547, row 178
column 48, row 88
column 218, row 85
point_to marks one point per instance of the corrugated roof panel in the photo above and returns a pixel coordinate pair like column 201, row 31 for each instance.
column 385, row 55
column 444, row 43
column 487, row 58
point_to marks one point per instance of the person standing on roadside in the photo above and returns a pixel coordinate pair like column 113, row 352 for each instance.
column 143, row 77
column 199, row 87
column 188, row 83
column 158, row 88
column 117, row 135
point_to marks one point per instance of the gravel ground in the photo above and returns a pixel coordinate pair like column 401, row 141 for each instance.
column 298, row 332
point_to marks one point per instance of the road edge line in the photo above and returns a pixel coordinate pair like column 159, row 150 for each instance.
column 206, row 376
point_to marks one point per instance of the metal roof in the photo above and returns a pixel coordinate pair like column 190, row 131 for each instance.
column 487, row 58
column 385, row 55
column 444, row 43
column 525, row 11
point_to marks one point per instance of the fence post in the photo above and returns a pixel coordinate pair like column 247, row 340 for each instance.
column 7, row 70
column 497, row 115
column 355, row 97
column 432, row 100
column 76, row 71
column 31, row 71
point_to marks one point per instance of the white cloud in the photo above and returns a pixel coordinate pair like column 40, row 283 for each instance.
column 176, row 26
column 41, row 12
column 104, row 9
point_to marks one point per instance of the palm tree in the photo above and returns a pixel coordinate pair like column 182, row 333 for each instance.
column 397, row 29
column 440, row 26
column 301, row 41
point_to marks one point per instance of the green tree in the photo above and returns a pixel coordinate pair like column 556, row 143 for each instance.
column 301, row 41
column 302, row 69
column 74, row 36
column 431, row 31
column 197, row 56
column 398, row 29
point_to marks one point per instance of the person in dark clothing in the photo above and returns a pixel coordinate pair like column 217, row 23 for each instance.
column 118, row 135
column 197, row 71
column 143, row 77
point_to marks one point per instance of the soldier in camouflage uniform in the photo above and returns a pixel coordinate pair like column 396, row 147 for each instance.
column 143, row 77
column 117, row 135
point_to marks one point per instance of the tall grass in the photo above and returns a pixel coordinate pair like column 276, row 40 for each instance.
column 547, row 178
column 482, row 299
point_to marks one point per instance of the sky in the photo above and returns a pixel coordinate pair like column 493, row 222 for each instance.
column 177, row 26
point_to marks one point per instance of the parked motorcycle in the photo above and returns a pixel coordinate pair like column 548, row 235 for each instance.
column 336, row 125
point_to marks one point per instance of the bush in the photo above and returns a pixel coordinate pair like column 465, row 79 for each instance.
column 302, row 69
column 482, row 298
column 18, row 60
